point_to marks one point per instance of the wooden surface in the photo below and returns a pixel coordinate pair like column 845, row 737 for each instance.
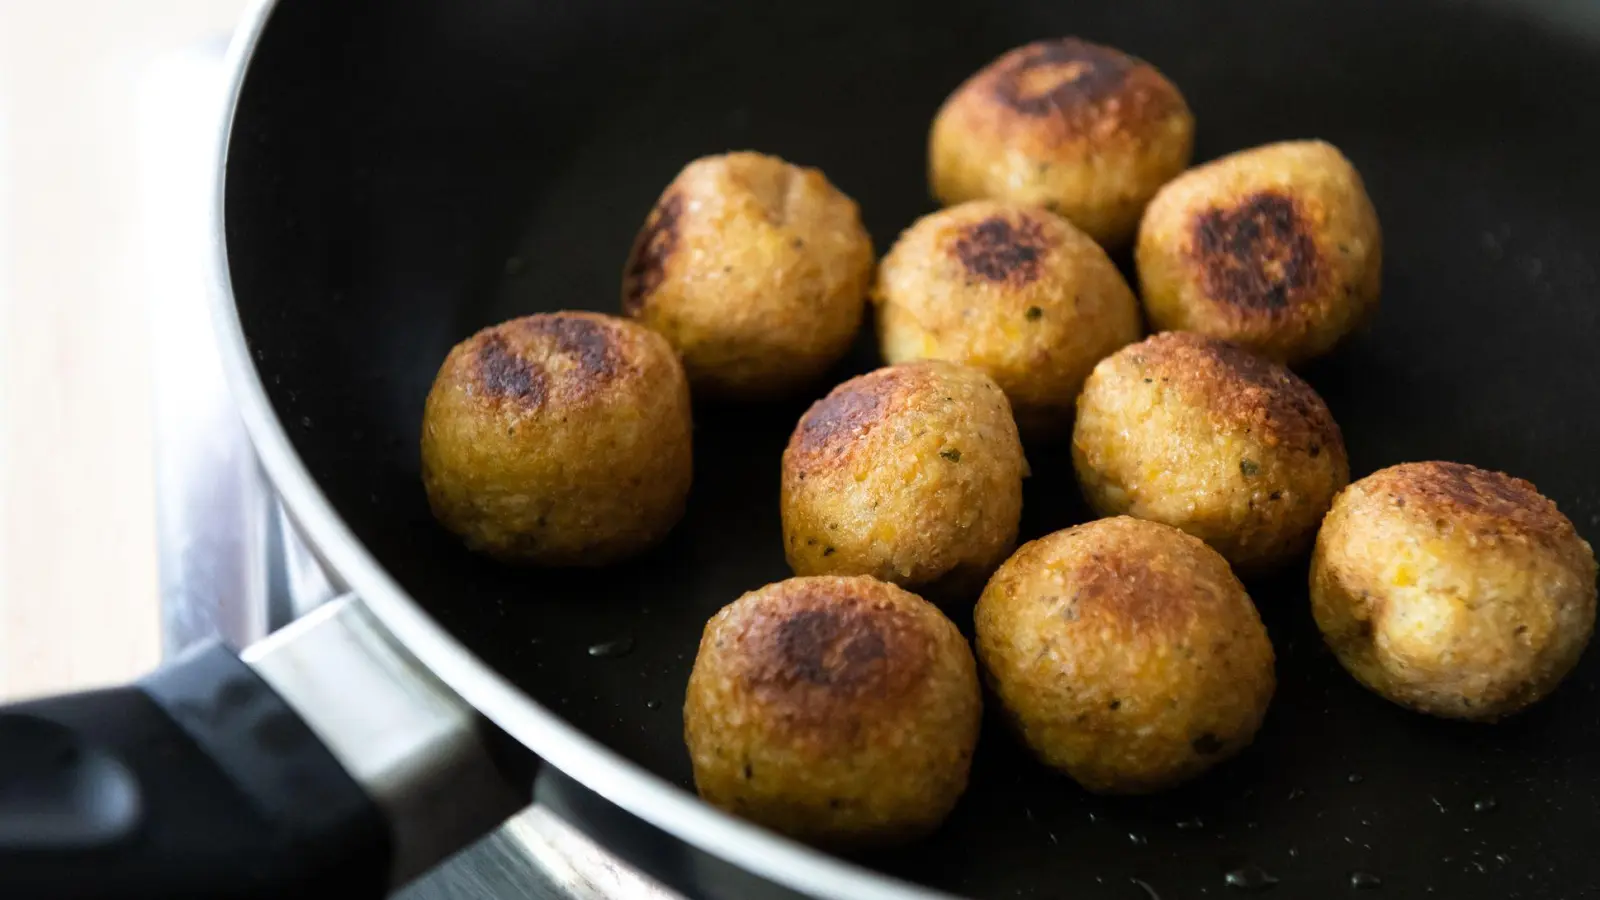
column 77, row 553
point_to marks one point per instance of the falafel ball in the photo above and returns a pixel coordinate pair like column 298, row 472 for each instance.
column 1085, row 130
column 558, row 439
column 1276, row 248
column 1199, row 434
column 840, row 711
column 755, row 270
column 1452, row 590
column 910, row 473
column 1013, row 290
column 1126, row 654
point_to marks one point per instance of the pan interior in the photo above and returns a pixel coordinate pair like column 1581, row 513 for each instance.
column 403, row 173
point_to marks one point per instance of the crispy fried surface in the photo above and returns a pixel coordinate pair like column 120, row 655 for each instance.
column 1453, row 590
column 558, row 439
column 1013, row 290
column 1277, row 248
column 910, row 473
column 1083, row 129
column 1126, row 653
column 840, row 710
column 1198, row 434
column 755, row 270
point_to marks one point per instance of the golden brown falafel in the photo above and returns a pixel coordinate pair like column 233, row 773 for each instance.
column 841, row 711
column 910, row 473
column 1082, row 129
column 1201, row 435
column 558, row 439
column 1276, row 248
column 1453, row 590
column 1013, row 290
column 755, row 270
column 1126, row 653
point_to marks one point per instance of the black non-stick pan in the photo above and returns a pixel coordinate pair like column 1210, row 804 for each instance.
column 405, row 172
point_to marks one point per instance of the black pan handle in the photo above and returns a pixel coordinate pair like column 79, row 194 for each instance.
column 198, row 782
column 326, row 759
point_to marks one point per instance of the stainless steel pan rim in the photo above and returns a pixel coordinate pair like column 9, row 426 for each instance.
column 620, row 781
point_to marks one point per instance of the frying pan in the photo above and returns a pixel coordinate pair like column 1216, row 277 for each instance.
column 401, row 173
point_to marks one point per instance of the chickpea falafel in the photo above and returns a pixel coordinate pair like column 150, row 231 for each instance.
column 1276, row 248
column 1199, row 434
column 1452, row 590
column 1083, row 129
column 558, row 439
column 1015, row 291
column 911, row 473
column 842, row 711
column 755, row 270
column 1126, row 653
